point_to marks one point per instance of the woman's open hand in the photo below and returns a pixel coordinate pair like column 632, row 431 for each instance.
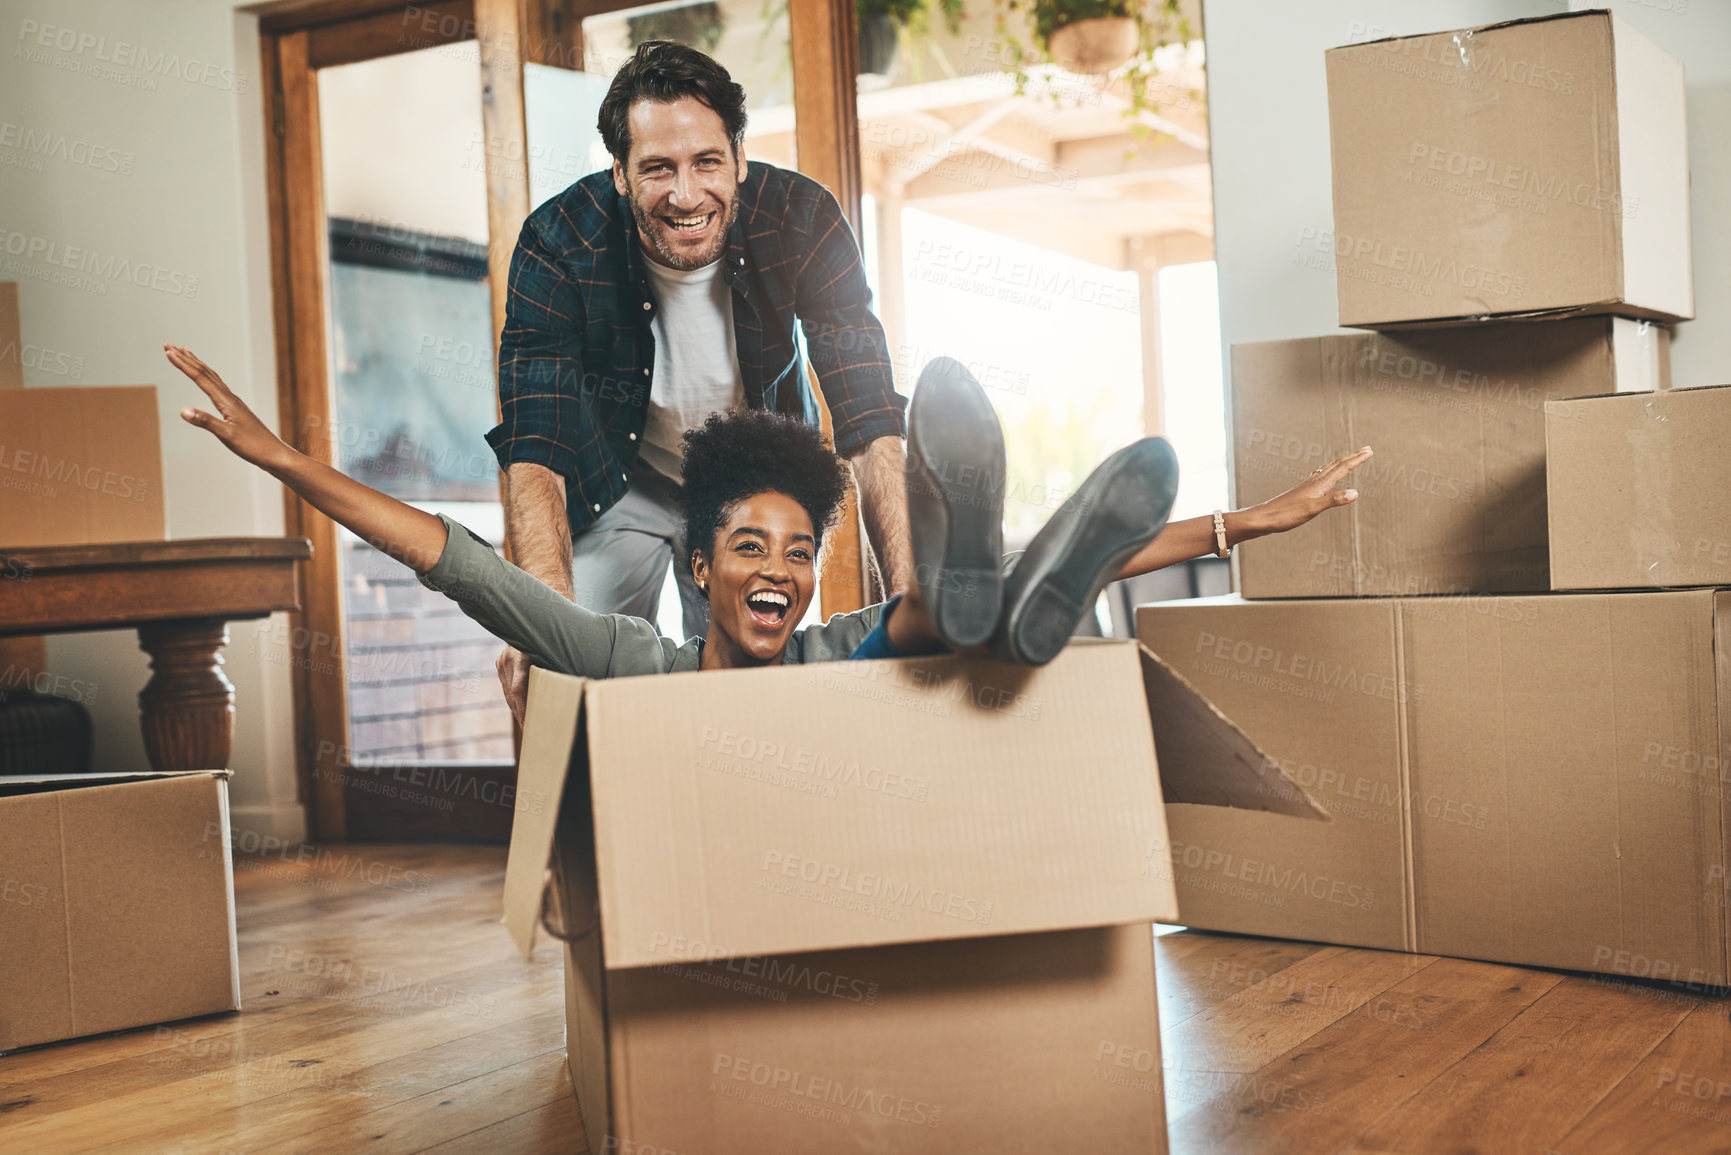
column 235, row 426
column 1309, row 497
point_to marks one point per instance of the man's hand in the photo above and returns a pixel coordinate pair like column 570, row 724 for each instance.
column 513, row 667
column 1305, row 500
column 535, row 521
column 881, row 469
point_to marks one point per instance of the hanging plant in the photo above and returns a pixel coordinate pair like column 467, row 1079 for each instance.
column 695, row 25
column 1115, row 38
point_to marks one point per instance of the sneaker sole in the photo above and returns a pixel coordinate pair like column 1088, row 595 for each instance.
column 1123, row 507
column 956, row 463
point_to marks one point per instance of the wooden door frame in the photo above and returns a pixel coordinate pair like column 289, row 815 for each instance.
column 298, row 37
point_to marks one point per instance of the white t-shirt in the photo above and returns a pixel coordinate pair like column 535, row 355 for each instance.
column 696, row 359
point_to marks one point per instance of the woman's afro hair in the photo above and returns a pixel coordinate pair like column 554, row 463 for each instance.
column 740, row 454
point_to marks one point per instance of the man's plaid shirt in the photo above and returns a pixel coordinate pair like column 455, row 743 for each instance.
column 576, row 354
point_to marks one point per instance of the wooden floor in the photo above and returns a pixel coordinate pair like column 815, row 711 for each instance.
column 388, row 1017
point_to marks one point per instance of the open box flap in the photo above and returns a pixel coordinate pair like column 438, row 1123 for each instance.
column 1205, row 759
column 852, row 804
column 550, row 728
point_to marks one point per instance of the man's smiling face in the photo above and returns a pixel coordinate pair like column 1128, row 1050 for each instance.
column 682, row 181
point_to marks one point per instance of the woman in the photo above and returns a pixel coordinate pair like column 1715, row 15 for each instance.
column 761, row 490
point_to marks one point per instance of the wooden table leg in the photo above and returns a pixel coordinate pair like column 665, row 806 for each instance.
column 188, row 704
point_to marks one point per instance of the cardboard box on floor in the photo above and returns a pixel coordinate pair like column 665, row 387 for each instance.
column 1528, row 780
column 1454, row 499
column 80, row 465
column 1637, row 492
column 116, row 903
column 875, row 906
column 1531, row 168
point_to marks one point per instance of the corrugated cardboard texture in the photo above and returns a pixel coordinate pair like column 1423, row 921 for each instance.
column 1315, row 685
column 1479, row 173
column 1551, row 716
column 120, row 908
column 11, row 338
column 80, row 466
column 1561, row 767
column 958, row 799
column 1637, row 490
column 1029, row 1043
column 549, row 752
column 1454, row 499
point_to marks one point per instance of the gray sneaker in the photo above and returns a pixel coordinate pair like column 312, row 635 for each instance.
column 1120, row 508
column 955, row 475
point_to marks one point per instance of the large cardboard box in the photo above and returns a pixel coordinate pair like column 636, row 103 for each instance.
column 1532, row 168
column 116, row 903
column 1529, row 780
column 1454, row 499
column 867, row 906
column 1637, row 490
column 80, row 466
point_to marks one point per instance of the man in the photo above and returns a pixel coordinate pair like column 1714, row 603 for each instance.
column 644, row 298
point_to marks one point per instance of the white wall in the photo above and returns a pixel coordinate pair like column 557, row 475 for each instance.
column 172, row 86
column 1268, row 124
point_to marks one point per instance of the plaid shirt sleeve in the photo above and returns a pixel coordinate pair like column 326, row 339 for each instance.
column 541, row 365
column 846, row 343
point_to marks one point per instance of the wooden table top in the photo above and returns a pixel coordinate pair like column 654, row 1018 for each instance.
column 134, row 554
column 56, row 589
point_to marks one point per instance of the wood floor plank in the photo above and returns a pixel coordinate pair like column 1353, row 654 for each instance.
column 448, row 1113
column 1270, row 1016
column 556, row 1129
column 1678, row 1099
column 1531, row 1083
column 358, row 1033
column 1333, row 1086
column 1196, row 970
column 421, row 1072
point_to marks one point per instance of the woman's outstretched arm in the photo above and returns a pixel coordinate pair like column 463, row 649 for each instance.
column 1194, row 537
column 409, row 535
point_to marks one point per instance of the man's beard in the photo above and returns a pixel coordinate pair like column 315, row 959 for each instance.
column 649, row 227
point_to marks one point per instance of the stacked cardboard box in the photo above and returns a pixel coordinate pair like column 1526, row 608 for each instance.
column 1514, row 775
column 868, row 906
